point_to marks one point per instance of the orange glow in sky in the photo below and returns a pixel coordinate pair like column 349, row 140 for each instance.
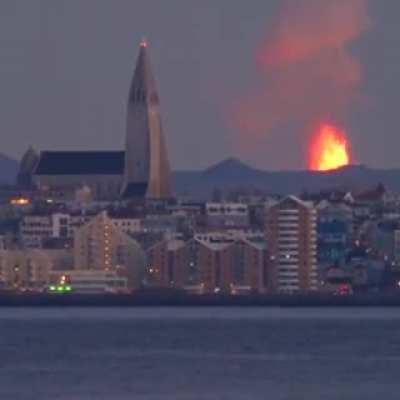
column 329, row 149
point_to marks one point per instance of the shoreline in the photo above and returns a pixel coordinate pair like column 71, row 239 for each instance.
column 164, row 299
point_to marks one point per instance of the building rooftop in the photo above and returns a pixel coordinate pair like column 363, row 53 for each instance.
column 81, row 163
column 373, row 195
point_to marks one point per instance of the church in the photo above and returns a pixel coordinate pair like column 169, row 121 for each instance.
column 141, row 171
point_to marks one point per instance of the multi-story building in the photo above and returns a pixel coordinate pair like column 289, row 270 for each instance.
column 221, row 265
column 250, row 265
column 230, row 235
column 227, row 215
column 165, row 264
column 291, row 242
column 36, row 228
column 101, row 245
column 162, row 223
column 334, row 232
column 215, row 261
column 128, row 225
column 380, row 237
column 25, row 269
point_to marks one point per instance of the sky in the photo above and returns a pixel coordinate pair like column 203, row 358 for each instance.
column 66, row 66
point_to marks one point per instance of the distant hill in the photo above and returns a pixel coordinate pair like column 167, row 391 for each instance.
column 232, row 174
column 8, row 169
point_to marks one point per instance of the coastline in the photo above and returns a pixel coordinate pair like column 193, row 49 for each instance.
column 165, row 299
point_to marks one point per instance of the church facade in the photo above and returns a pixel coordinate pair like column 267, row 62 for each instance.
column 141, row 171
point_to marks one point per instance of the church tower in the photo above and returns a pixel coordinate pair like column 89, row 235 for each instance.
column 147, row 170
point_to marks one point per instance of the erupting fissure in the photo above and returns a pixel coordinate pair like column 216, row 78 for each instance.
column 329, row 149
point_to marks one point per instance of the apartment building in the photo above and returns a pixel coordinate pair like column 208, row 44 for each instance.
column 292, row 244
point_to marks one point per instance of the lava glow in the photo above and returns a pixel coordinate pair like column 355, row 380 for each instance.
column 329, row 149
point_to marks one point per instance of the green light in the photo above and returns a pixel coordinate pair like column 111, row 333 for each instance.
column 60, row 289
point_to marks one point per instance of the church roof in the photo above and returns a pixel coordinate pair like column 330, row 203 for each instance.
column 81, row 163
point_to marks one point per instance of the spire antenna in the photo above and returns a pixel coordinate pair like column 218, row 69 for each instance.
column 143, row 42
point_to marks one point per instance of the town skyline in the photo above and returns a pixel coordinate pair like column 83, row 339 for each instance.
column 199, row 199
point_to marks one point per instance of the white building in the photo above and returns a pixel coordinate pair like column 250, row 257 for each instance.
column 230, row 235
column 227, row 215
column 128, row 225
column 35, row 229
column 88, row 282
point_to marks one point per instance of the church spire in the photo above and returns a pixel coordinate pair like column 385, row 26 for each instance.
column 147, row 170
column 143, row 86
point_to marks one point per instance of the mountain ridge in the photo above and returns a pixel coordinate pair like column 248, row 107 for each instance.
column 8, row 169
column 232, row 174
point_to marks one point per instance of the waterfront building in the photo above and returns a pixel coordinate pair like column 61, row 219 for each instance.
column 194, row 265
column 87, row 282
column 221, row 264
column 250, row 267
column 215, row 262
column 292, row 244
column 234, row 267
column 360, row 278
column 337, row 280
column 166, row 264
column 25, row 269
column 100, row 245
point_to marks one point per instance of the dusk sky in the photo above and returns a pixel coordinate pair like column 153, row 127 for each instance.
column 66, row 67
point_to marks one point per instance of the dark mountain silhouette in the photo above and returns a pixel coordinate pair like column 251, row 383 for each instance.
column 232, row 174
column 8, row 169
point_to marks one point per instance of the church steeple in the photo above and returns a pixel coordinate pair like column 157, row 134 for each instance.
column 147, row 171
column 143, row 86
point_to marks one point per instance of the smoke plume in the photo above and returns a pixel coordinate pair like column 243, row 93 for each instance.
column 308, row 74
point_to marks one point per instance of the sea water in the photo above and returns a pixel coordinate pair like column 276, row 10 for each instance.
column 199, row 353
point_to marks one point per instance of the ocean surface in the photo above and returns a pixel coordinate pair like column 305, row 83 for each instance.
column 199, row 353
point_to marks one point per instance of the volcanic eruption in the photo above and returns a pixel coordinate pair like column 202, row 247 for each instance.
column 307, row 74
column 329, row 149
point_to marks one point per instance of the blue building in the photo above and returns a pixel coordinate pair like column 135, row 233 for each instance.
column 334, row 233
